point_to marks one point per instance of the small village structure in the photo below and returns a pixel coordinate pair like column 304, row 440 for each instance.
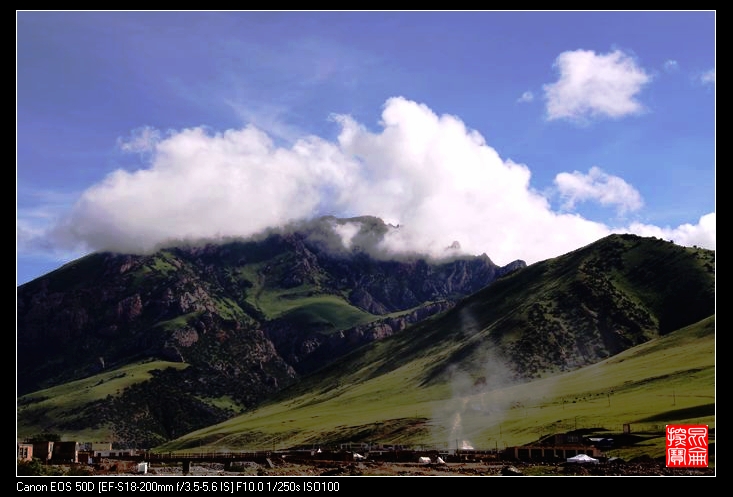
column 553, row 448
column 25, row 452
column 558, row 447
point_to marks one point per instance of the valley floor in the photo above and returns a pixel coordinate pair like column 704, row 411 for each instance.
column 341, row 469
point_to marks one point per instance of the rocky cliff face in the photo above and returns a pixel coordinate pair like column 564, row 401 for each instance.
column 309, row 351
column 71, row 327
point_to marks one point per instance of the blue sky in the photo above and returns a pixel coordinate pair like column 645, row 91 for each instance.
column 522, row 135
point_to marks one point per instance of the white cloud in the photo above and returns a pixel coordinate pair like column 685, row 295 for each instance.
column 428, row 173
column 595, row 85
column 527, row 96
column 32, row 222
column 708, row 77
column 671, row 65
column 599, row 187
column 141, row 140
column 347, row 232
column 31, row 230
column 234, row 183
column 701, row 234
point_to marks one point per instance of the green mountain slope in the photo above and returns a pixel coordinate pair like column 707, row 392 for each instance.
column 561, row 332
column 670, row 379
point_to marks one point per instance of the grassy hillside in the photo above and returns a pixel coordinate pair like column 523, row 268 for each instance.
column 579, row 308
column 668, row 379
column 64, row 409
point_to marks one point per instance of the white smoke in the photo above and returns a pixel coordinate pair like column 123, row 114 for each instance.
column 480, row 397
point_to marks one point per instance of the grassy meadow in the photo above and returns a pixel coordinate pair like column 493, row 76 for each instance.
column 63, row 404
column 667, row 380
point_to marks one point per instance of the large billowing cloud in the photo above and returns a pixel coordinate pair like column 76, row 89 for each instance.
column 209, row 185
column 429, row 174
column 595, row 85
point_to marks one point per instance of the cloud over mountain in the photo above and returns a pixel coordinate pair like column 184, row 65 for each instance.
column 428, row 173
